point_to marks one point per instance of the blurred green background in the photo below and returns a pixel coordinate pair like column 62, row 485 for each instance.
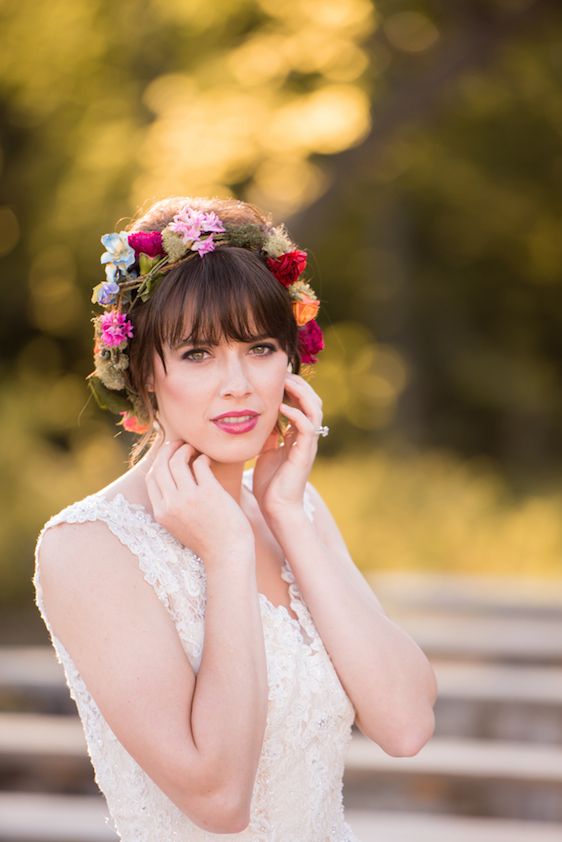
column 413, row 148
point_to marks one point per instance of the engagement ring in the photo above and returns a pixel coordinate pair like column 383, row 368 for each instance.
column 322, row 431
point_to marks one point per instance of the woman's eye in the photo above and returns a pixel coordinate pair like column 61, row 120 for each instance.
column 189, row 354
column 269, row 348
column 262, row 350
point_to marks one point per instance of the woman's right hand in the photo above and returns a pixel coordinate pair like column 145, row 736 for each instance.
column 192, row 505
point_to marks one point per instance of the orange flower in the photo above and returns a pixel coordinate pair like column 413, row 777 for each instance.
column 305, row 309
column 132, row 424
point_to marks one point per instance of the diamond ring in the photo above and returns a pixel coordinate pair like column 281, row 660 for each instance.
column 322, row 431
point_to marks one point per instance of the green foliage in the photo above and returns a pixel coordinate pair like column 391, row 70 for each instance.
column 435, row 512
column 432, row 232
column 107, row 398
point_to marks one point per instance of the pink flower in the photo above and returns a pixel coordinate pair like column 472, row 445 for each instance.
column 147, row 242
column 188, row 223
column 211, row 222
column 115, row 328
column 311, row 340
column 186, row 230
column 203, row 246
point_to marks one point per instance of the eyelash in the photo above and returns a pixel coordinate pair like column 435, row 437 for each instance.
column 268, row 345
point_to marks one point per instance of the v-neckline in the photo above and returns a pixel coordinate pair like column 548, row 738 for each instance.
column 279, row 608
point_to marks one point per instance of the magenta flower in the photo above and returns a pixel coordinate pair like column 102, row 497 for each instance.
column 203, row 246
column 115, row 328
column 147, row 242
column 311, row 340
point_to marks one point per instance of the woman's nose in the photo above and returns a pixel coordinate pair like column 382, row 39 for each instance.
column 235, row 380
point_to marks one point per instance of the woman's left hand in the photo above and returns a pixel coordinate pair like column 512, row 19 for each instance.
column 280, row 475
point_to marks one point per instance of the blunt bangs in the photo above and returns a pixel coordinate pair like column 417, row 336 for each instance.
column 228, row 294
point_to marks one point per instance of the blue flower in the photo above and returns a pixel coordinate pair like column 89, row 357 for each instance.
column 107, row 293
column 119, row 255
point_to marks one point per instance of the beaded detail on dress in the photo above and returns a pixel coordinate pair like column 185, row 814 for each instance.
column 298, row 793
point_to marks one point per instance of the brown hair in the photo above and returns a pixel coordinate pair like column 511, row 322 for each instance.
column 230, row 293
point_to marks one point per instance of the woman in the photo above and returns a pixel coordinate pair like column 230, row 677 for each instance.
column 215, row 634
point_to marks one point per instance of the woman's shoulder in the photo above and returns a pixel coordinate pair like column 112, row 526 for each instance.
column 86, row 509
column 91, row 519
column 68, row 534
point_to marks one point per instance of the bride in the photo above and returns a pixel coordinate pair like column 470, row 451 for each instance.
column 215, row 633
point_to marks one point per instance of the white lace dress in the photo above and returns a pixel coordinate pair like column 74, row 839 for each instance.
column 298, row 788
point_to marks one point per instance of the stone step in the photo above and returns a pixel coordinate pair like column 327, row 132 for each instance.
column 499, row 702
column 39, row 817
column 385, row 826
column 507, row 640
column 31, row 679
column 42, row 752
column 498, row 595
column 475, row 777
column 36, row 817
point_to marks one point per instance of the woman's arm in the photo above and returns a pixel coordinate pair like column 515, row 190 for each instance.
column 198, row 736
column 384, row 672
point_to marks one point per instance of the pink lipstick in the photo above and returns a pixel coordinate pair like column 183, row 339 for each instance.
column 236, row 422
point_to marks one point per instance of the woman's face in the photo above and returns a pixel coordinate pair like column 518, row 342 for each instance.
column 204, row 381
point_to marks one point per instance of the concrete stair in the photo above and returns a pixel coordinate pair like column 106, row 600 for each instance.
column 491, row 773
column 32, row 817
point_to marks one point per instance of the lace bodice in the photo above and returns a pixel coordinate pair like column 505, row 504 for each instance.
column 298, row 788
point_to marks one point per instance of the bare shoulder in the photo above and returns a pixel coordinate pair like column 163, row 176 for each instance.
column 74, row 556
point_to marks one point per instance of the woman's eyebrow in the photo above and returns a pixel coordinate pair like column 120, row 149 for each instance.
column 203, row 341
column 188, row 341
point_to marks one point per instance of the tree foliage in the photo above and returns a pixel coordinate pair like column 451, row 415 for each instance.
column 412, row 147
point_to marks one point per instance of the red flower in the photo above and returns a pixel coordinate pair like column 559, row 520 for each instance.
column 147, row 242
column 311, row 340
column 288, row 266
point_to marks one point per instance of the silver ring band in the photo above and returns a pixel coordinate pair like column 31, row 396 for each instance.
column 322, row 431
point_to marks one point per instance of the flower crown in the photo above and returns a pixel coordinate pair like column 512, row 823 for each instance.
column 135, row 264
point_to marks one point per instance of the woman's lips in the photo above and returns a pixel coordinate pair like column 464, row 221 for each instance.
column 236, row 426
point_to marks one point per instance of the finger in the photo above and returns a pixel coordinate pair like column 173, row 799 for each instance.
column 307, row 400
column 201, row 467
column 302, row 440
column 160, row 469
column 301, row 386
column 298, row 418
column 180, row 468
column 154, row 493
